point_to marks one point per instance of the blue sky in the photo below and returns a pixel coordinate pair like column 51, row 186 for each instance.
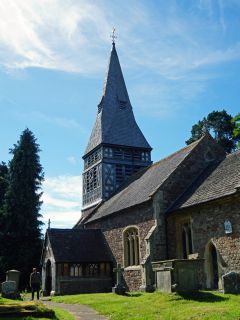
column 180, row 59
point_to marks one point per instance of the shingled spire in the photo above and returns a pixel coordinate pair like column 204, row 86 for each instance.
column 115, row 132
column 115, row 123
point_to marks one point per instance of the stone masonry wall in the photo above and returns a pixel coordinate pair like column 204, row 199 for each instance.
column 208, row 225
column 206, row 152
column 113, row 228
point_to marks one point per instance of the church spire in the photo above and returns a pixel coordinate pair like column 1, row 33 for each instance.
column 115, row 123
column 116, row 148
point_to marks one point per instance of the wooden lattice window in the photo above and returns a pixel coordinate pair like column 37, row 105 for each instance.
column 91, row 179
column 76, row 270
column 131, row 247
column 92, row 269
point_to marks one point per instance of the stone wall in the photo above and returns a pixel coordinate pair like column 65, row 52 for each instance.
column 84, row 285
column 113, row 227
column 206, row 152
column 207, row 221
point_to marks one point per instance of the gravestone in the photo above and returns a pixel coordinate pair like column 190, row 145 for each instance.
column 231, row 282
column 13, row 275
column 179, row 275
column 119, row 287
column 9, row 290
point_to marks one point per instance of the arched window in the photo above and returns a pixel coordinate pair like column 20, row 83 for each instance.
column 131, row 247
column 186, row 240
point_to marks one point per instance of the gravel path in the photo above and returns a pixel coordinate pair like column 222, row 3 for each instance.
column 79, row 311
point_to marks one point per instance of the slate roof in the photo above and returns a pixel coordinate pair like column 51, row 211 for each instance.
column 78, row 245
column 143, row 184
column 216, row 182
column 115, row 123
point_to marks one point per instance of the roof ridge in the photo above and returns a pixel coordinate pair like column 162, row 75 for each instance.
column 138, row 175
column 234, row 153
column 177, row 152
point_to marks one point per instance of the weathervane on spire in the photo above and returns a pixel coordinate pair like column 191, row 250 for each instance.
column 113, row 36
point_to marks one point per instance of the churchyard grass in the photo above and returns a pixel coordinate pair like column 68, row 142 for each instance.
column 42, row 312
column 205, row 305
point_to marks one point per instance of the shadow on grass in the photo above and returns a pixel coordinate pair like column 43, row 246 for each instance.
column 135, row 295
column 202, row 296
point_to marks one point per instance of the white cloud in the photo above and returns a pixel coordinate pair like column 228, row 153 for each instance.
column 73, row 160
column 171, row 40
column 71, row 35
column 50, row 34
column 58, row 121
column 62, row 196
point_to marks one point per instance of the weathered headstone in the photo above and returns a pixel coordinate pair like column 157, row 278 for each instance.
column 179, row 275
column 13, row 275
column 119, row 287
column 231, row 282
column 9, row 290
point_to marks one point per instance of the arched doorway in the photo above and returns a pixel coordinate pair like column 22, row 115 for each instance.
column 211, row 266
column 48, row 279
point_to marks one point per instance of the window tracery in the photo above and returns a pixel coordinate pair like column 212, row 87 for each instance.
column 131, row 247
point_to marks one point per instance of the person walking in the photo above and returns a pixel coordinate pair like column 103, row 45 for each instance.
column 35, row 282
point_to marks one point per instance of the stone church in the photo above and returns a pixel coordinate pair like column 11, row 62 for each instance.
column 145, row 216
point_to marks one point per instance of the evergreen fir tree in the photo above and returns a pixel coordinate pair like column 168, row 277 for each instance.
column 3, row 182
column 22, row 227
column 3, row 188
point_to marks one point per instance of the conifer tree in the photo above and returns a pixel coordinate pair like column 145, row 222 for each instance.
column 3, row 182
column 22, row 227
column 3, row 188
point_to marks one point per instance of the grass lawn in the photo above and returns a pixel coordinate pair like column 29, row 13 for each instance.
column 16, row 308
column 204, row 305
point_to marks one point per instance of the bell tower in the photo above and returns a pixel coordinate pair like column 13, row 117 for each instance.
column 116, row 148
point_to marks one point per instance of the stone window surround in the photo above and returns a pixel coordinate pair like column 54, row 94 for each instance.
column 125, row 253
column 180, row 222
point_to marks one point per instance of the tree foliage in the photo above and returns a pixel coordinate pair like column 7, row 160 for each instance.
column 3, row 182
column 221, row 125
column 236, row 129
column 21, row 224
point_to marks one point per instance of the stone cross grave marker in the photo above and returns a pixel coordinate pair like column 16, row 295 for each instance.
column 231, row 282
column 118, row 271
column 9, row 289
column 119, row 287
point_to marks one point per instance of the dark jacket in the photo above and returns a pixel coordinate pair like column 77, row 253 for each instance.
column 35, row 278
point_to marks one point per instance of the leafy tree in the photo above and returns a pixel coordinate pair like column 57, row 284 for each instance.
column 22, row 227
column 221, row 125
column 236, row 130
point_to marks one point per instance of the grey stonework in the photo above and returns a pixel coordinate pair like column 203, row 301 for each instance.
column 151, row 216
column 175, row 208
column 179, row 275
column 9, row 290
column 208, row 229
column 231, row 282
column 113, row 229
column 13, row 275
